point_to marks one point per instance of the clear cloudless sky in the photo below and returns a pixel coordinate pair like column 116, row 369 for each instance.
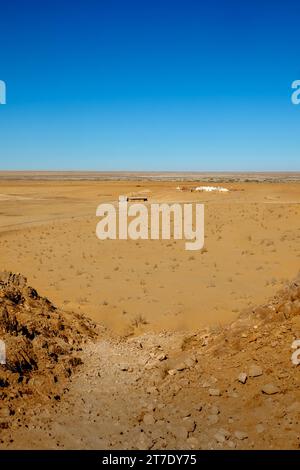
column 149, row 85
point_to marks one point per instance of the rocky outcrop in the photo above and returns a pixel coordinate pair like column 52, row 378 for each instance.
column 42, row 343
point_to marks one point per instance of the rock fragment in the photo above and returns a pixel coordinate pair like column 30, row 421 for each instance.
column 162, row 357
column 259, row 428
column 241, row 435
column 219, row 437
column 209, row 382
column 242, row 377
column 255, row 371
column 213, row 419
column 270, row 389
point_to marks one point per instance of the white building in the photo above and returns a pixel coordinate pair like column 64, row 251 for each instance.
column 211, row 189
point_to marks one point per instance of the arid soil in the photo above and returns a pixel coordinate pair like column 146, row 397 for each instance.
column 252, row 248
column 142, row 343
column 235, row 387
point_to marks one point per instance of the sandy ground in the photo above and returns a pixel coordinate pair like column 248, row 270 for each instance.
column 233, row 387
column 252, row 247
column 178, row 367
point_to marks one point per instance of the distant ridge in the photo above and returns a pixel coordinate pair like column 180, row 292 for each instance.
column 222, row 176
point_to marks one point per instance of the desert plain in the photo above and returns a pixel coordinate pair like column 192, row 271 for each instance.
column 146, row 382
column 252, row 247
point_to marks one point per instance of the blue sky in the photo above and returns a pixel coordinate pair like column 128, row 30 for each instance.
column 149, row 85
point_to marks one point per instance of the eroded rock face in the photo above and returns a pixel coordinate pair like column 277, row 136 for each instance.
column 285, row 305
column 41, row 341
